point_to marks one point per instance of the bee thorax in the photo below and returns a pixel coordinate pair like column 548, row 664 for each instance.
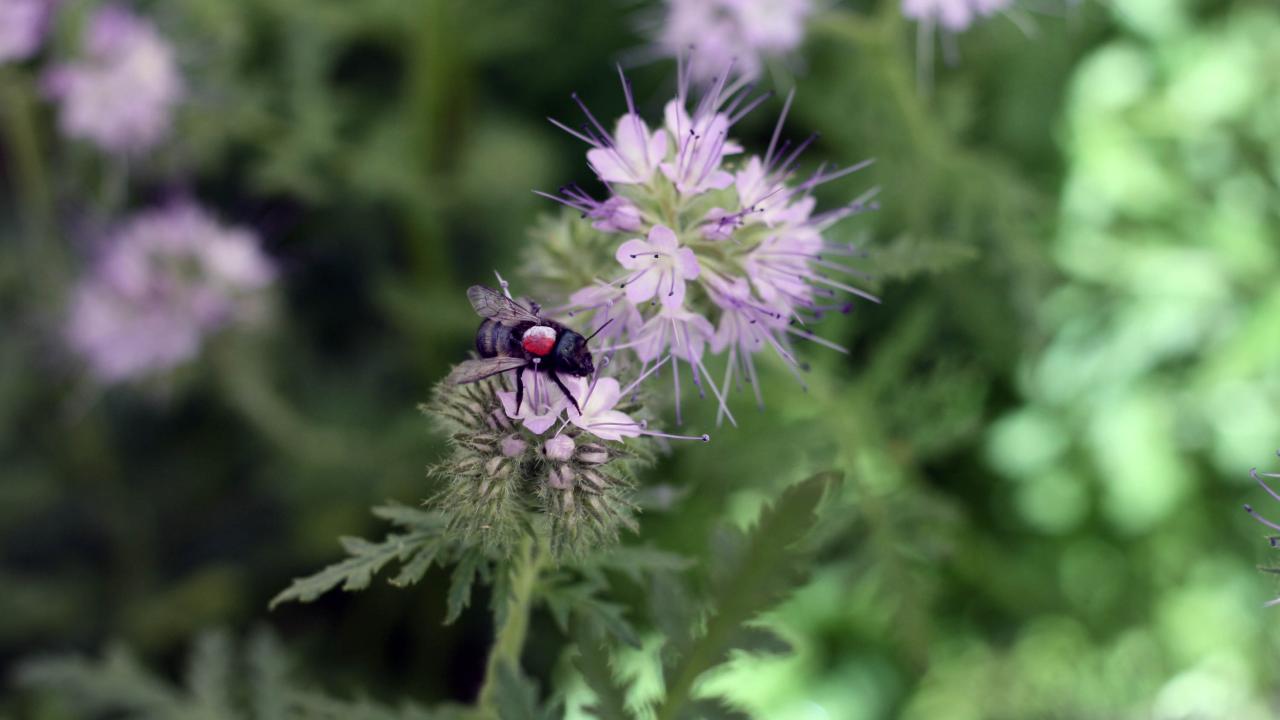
column 539, row 340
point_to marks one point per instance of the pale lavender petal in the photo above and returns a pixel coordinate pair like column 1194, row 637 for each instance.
column 634, row 254
column 663, row 238
column 643, row 285
column 672, row 289
column 539, row 424
column 687, row 262
column 609, row 167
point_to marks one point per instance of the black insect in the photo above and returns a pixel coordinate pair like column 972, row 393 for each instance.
column 513, row 337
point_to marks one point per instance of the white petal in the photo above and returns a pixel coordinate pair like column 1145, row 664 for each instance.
column 687, row 261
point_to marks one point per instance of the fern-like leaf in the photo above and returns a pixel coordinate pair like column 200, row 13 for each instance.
column 594, row 663
column 752, row 572
column 417, row 548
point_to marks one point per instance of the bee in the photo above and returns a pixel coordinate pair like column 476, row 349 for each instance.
column 513, row 337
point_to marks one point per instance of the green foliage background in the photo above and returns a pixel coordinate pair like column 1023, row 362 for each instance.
column 1045, row 431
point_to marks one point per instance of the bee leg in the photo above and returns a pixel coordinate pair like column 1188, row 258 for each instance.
column 566, row 392
column 519, row 388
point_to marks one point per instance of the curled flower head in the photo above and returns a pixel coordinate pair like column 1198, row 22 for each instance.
column 730, row 252
column 952, row 15
column 744, row 33
column 121, row 93
column 556, row 464
column 23, row 24
column 168, row 279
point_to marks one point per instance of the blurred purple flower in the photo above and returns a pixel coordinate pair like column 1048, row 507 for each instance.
column 952, row 15
column 717, row 34
column 23, row 24
column 168, row 278
column 120, row 95
column 735, row 257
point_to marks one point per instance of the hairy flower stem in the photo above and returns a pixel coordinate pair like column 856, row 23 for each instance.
column 507, row 646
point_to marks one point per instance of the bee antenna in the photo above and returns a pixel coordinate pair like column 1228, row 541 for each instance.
column 597, row 332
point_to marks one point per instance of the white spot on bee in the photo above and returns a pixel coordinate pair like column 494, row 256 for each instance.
column 538, row 340
column 539, row 332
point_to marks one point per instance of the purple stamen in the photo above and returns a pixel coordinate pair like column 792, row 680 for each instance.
column 1249, row 509
column 777, row 129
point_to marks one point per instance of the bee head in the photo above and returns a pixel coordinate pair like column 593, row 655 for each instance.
column 572, row 355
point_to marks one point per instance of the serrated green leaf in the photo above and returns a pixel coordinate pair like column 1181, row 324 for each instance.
column 209, row 675
column 418, row 566
column 636, row 561
column 595, row 665
column 753, row 571
column 566, row 597
column 759, row 640
column 354, row 573
column 269, row 687
column 313, row 706
column 711, row 709
column 907, row 256
column 417, row 548
column 673, row 612
column 410, row 518
column 116, row 683
column 460, row 582
column 118, row 686
column 611, row 618
column 515, row 697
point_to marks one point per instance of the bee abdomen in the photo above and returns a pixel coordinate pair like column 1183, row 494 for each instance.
column 493, row 340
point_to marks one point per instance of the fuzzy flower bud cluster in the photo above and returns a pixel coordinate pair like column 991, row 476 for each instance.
column 120, row 94
column 712, row 251
column 543, row 465
column 745, row 33
column 168, row 279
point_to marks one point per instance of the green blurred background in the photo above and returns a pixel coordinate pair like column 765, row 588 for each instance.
column 1046, row 429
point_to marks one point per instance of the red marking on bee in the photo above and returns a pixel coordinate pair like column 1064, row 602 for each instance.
column 539, row 340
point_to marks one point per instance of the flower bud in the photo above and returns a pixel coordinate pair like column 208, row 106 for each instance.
column 559, row 448
column 513, row 446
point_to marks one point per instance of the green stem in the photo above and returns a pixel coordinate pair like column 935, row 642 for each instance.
column 509, row 643
column 31, row 177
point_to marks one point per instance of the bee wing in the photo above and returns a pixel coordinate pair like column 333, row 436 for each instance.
column 469, row 371
column 496, row 306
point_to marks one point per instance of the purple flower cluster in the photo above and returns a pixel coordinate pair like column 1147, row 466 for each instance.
column 168, row 278
column 120, row 95
column 23, row 24
column 744, row 32
column 953, row 15
column 718, row 252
